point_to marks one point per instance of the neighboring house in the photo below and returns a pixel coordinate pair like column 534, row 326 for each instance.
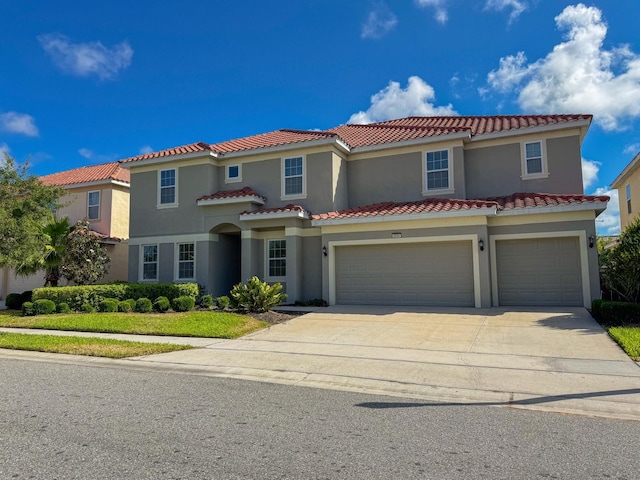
column 99, row 193
column 443, row 211
column 628, row 186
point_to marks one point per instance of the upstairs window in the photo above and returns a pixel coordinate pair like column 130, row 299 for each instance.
column 186, row 261
column 628, row 192
column 93, row 205
column 277, row 258
column 534, row 163
column 167, row 187
column 233, row 174
column 149, row 262
column 438, row 170
column 293, row 181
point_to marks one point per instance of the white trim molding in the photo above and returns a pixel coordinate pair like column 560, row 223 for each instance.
column 581, row 235
column 256, row 200
column 227, row 178
column 194, row 237
column 176, row 262
column 525, row 175
column 141, row 262
column 426, row 191
column 175, row 202
column 293, row 196
column 248, row 217
column 473, row 212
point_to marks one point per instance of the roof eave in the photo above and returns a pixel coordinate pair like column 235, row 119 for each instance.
column 289, row 146
column 128, row 164
column 598, row 206
column 231, row 200
column 583, row 124
column 628, row 170
column 247, row 217
column 472, row 212
column 466, row 135
column 94, row 183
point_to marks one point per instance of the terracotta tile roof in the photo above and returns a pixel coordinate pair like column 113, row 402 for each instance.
column 428, row 205
column 270, row 139
column 191, row 148
column 92, row 173
column 376, row 134
column 286, row 209
column 243, row 192
column 532, row 200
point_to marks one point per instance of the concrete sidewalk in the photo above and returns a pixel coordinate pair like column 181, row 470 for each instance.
column 559, row 361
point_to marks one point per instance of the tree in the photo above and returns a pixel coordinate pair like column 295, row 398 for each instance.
column 85, row 260
column 621, row 265
column 25, row 206
column 51, row 256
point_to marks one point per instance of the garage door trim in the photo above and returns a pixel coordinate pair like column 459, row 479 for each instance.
column 584, row 261
column 380, row 241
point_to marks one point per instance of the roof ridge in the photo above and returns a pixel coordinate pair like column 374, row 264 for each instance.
column 307, row 132
column 405, row 127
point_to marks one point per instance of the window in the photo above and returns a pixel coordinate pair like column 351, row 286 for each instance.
column 628, row 192
column 93, row 205
column 293, row 176
column 167, row 187
column 534, row 163
column 233, row 174
column 277, row 258
column 437, row 170
column 186, row 261
column 149, row 262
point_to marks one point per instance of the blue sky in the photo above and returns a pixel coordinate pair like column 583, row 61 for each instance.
column 89, row 82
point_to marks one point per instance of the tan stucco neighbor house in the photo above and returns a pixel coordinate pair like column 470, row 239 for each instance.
column 628, row 186
column 437, row 211
column 99, row 193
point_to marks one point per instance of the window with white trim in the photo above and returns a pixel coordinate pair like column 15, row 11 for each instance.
column 167, row 190
column 186, row 261
column 437, row 170
column 93, row 205
column 293, row 176
column 277, row 258
column 149, row 262
column 628, row 192
column 233, row 174
column 534, row 163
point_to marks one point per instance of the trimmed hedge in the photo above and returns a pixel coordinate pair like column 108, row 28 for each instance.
column 27, row 309
column 222, row 302
column 127, row 305
column 108, row 305
column 63, row 308
column 183, row 304
column 143, row 305
column 13, row 301
column 615, row 312
column 206, row 301
column 161, row 304
column 77, row 296
column 43, row 307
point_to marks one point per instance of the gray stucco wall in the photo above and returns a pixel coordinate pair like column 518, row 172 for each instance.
column 312, row 268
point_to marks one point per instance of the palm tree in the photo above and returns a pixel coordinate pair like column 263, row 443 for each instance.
column 56, row 233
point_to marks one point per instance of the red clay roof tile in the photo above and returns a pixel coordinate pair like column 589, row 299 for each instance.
column 286, row 209
column 532, row 200
column 243, row 192
column 191, row 148
column 92, row 173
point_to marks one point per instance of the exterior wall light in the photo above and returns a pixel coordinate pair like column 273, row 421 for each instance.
column 592, row 240
column 324, row 250
column 481, row 245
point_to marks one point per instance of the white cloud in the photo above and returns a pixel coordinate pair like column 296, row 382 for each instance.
column 578, row 75
column 632, row 149
column 15, row 122
column 440, row 11
column 396, row 102
column 608, row 222
column 97, row 158
column 516, row 6
column 4, row 149
column 84, row 59
column 380, row 21
column 146, row 149
column 589, row 172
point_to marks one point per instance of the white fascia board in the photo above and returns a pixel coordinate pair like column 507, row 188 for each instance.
column 96, row 183
column 288, row 146
column 476, row 212
column 597, row 206
column 617, row 183
column 228, row 201
column 532, row 130
column 168, row 158
column 247, row 217
column 414, row 141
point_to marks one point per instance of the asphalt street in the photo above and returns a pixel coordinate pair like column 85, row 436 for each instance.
column 85, row 422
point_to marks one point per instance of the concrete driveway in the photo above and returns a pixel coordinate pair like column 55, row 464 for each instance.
column 556, row 360
column 559, row 360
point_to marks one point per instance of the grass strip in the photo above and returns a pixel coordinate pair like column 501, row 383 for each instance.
column 95, row 347
column 628, row 338
column 187, row 324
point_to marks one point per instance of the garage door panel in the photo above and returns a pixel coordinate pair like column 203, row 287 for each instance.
column 540, row 271
column 405, row 274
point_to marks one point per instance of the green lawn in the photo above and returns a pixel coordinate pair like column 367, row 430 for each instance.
column 628, row 338
column 189, row 324
column 97, row 347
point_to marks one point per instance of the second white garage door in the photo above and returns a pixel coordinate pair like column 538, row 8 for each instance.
column 432, row 274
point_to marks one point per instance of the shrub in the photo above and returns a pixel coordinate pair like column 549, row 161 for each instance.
column 127, row 306
column 27, row 309
column 161, row 304
column 621, row 265
column 87, row 308
column 108, row 305
column 63, row 308
column 26, row 296
column 256, row 295
column 13, row 301
column 222, row 302
column 44, row 307
column 183, row 304
column 143, row 305
column 614, row 313
column 206, row 301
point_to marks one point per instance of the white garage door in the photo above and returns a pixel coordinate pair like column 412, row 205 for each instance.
column 433, row 274
column 541, row 271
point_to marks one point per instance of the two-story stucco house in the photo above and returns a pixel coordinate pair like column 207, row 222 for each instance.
column 449, row 211
column 99, row 193
column 628, row 186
